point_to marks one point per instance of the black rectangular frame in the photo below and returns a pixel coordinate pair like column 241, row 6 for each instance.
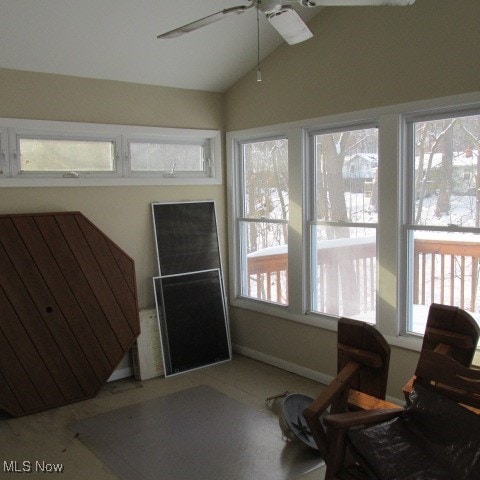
column 192, row 320
column 189, row 289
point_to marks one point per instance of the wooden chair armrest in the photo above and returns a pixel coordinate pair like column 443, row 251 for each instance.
column 334, row 396
column 332, row 391
column 361, row 417
column 362, row 401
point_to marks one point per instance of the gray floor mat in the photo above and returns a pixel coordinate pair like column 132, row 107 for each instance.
column 195, row 434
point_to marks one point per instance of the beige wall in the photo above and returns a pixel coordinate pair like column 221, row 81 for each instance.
column 359, row 58
column 59, row 97
column 123, row 213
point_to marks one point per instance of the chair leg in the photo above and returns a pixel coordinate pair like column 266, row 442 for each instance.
column 336, row 453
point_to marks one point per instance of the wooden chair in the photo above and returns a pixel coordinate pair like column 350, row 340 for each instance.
column 451, row 331
column 363, row 358
column 434, row 437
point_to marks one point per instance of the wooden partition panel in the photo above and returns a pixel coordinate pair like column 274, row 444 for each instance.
column 68, row 310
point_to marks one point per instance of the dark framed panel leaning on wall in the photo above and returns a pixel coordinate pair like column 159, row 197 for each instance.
column 189, row 291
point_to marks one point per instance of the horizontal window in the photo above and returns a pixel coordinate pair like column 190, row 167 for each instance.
column 34, row 151
column 167, row 158
column 47, row 155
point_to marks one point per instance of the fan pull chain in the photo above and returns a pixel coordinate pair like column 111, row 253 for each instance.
column 259, row 73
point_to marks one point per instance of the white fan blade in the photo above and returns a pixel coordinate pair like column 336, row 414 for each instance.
column 361, row 3
column 214, row 17
column 289, row 25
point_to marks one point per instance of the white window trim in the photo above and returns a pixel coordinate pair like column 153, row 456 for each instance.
column 121, row 135
column 236, row 211
column 311, row 204
column 4, row 166
column 15, row 134
column 408, row 177
column 205, row 142
column 391, row 277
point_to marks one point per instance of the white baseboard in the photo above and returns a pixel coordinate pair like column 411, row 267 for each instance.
column 283, row 364
column 294, row 368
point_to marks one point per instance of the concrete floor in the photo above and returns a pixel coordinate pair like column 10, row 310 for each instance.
column 45, row 436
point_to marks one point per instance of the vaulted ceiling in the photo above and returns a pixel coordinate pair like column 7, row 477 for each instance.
column 116, row 40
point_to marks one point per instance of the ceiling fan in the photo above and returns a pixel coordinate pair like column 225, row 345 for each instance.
column 281, row 15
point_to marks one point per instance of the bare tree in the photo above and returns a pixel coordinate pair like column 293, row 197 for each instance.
column 423, row 177
column 445, row 182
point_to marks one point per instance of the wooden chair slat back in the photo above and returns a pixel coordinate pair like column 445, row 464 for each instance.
column 444, row 375
column 355, row 338
column 454, row 327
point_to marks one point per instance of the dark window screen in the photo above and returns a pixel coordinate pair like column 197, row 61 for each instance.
column 186, row 235
column 192, row 320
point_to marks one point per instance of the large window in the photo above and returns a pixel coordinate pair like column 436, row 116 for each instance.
column 344, row 206
column 382, row 212
column 443, row 219
column 263, row 219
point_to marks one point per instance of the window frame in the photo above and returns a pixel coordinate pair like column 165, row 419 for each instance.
column 238, row 205
column 4, row 166
column 392, row 149
column 205, row 143
column 17, row 134
column 409, row 227
column 120, row 135
column 312, row 221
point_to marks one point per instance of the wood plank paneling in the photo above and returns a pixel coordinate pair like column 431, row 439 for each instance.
column 20, row 341
column 126, row 266
column 33, row 322
column 17, row 378
column 9, row 400
column 30, row 268
column 80, row 287
column 100, row 286
column 68, row 310
column 126, row 300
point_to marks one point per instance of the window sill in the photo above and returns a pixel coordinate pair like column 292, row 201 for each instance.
column 105, row 182
column 320, row 321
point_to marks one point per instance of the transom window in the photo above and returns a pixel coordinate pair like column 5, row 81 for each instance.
column 43, row 153
column 168, row 157
column 65, row 155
